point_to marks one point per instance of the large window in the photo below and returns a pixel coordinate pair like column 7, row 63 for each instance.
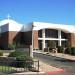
column 63, row 35
column 40, row 44
column 40, row 33
column 51, row 33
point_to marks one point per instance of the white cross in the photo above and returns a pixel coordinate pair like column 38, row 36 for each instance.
column 8, row 17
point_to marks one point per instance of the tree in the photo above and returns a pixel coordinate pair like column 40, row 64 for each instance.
column 51, row 44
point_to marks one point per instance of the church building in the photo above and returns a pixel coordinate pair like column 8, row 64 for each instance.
column 37, row 34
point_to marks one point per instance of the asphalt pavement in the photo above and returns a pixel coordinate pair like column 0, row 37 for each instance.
column 67, row 65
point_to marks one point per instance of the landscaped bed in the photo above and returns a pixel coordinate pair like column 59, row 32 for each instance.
column 7, row 69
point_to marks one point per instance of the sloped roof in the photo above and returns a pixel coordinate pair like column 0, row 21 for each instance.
column 10, row 21
column 65, row 28
column 14, row 26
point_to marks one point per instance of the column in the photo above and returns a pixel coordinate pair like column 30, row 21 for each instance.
column 31, row 47
column 59, row 37
column 43, row 41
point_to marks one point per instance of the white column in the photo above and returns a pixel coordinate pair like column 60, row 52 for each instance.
column 43, row 41
column 59, row 37
column 31, row 51
column 31, row 47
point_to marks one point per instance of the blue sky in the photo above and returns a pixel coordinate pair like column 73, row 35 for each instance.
column 52, row 11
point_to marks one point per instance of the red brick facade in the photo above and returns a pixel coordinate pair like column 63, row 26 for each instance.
column 7, row 38
column 72, row 40
column 35, row 39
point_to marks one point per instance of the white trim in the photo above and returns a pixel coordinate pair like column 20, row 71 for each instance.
column 65, row 28
column 59, row 36
column 52, row 39
column 43, row 41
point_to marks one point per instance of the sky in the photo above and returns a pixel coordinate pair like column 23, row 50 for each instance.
column 51, row 11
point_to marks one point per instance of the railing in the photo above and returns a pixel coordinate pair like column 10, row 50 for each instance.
column 19, row 66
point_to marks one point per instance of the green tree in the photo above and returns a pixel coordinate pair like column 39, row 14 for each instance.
column 51, row 44
column 12, row 46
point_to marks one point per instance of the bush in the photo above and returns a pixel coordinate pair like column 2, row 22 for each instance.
column 22, row 59
column 73, row 50
column 50, row 49
column 16, row 54
column 51, row 44
column 60, row 49
column 1, row 53
column 68, row 50
column 26, row 61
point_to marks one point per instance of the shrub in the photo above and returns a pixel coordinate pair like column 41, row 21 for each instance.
column 51, row 44
column 22, row 59
column 73, row 50
column 26, row 61
column 16, row 54
column 12, row 46
column 1, row 53
column 68, row 50
column 50, row 49
column 60, row 49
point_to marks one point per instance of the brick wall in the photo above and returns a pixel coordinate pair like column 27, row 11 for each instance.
column 71, row 39
column 35, row 39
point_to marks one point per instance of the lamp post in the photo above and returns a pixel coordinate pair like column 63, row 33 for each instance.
column 31, row 47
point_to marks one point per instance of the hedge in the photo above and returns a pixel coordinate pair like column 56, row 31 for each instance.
column 22, row 59
column 1, row 53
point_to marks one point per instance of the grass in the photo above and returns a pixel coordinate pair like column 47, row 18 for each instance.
column 6, row 69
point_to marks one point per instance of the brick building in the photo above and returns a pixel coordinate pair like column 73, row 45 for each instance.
column 36, row 34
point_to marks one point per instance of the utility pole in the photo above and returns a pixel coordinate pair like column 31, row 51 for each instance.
column 31, row 47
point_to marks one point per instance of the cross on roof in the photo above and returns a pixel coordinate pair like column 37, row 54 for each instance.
column 8, row 16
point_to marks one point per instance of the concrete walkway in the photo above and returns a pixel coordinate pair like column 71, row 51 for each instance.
column 61, row 55
column 48, row 69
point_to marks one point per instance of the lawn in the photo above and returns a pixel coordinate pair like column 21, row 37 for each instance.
column 6, row 69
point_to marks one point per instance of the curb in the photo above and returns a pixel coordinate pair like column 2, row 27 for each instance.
column 26, row 73
column 54, row 72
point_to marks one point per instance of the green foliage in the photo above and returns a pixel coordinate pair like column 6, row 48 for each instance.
column 68, row 50
column 24, row 60
column 66, row 44
column 51, row 44
column 12, row 46
column 6, row 69
column 73, row 50
column 60, row 49
column 16, row 54
column 1, row 53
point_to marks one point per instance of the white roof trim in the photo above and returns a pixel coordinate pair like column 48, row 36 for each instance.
column 65, row 28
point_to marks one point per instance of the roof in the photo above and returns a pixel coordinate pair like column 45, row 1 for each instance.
column 5, row 21
column 11, row 25
column 65, row 28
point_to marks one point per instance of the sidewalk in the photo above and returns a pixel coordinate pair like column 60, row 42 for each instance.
column 48, row 68
column 44, row 69
column 66, row 56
